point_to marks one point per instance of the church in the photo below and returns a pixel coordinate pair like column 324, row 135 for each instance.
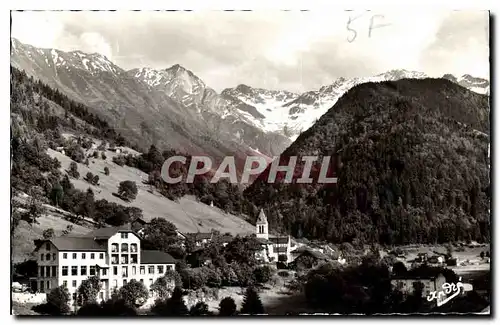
column 274, row 248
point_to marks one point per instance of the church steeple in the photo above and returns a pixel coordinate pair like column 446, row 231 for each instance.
column 262, row 226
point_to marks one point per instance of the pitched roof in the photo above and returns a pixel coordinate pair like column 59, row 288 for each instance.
column 77, row 244
column 262, row 217
column 278, row 240
column 156, row 257
column 313, row 253
column 281, row 249
column 200, row 235
column 106, row 232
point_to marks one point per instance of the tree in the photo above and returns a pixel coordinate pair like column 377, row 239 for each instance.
column 35, row 208
column 263, row 274
column 57, row 301
column 103, row 155
column 89, row 177
column 88, row 290
column 160, row 234
column 86, row 162
column 73, row 170
column 134, row 293
column 95, row 154
column 48, row 233
column 174, row 306
column 127, row 190
column 399, row 268
column 106, row 171
column 227, row 307
column 95, row 180
column 200, row 309
column 166, row 284
column 57, row 194
column 251, row 303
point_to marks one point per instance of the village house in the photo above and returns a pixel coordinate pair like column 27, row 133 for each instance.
column 406, row 283
column 201, row 239
column 274, row 248
column 113, row 254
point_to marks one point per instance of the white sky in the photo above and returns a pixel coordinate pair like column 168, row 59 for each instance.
column 296, row 51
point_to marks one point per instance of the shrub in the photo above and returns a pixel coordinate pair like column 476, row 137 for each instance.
column 199, row 309
column 89, row 177
column 227, row 307
column 106, row 171
column 127, row 190
column 73, row 170
column 262, row 274
column 57, row 302
column 103, row 155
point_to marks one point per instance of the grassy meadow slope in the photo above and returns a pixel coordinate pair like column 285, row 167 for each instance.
column 187, row 214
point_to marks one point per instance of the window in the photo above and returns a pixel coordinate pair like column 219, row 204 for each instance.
column 133, row 248
column 124, row 281
column 42, row 257
column 53, row 256
column 115, row 283
column 143, row 270
column 74, row 296
column 124, row 271
column 151, row 269
column 65, row 256
column 42, row 286
column 133, row 258
column 114, row 248
column 92, row 256
column 73, row 283
column 83, row 270
column 124, row 247
column 104, row 272
column 47, row 270
column 74, row 256
column 101, row 295
column 65, row 284
column 160, row 269
column 74, row 270
column 150, row 282
column 92, row 270
column 115, row 270
column 64, row 270
column 124, row 259
column 114, row 259
column 134, row 270
column 83, row 256
column 47, row 247
column 47, row 257
column 48, row 284
column 101, row 256
column 141, row 280
column 54, row 271
column 169, row 267
column 124, row 235
column 42, row 272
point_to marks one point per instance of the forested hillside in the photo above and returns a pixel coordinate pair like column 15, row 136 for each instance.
column 413, row 166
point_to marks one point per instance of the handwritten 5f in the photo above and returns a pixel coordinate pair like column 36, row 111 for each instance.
column 372, row 26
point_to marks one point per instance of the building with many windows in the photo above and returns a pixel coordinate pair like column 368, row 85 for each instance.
column 113, row 254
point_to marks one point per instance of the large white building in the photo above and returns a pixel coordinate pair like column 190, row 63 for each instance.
column 274, row 248
column 113, row 254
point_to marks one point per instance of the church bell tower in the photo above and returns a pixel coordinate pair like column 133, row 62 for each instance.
column 262, row 226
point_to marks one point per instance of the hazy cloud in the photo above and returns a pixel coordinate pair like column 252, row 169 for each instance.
column 273, row 49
